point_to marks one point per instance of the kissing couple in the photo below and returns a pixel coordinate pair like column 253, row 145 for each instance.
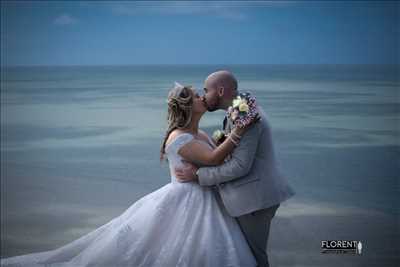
column 218, row 207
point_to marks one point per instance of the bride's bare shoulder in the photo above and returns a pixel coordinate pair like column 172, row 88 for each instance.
column 173, row 135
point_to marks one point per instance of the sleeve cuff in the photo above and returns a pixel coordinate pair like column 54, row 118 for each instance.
column 201, row 178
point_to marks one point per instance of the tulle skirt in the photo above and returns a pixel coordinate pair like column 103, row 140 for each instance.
column 180, row 224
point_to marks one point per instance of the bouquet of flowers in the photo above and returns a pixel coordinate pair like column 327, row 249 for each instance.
column 242, row 112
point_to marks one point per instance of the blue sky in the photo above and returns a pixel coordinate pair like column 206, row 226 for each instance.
column 223, row 32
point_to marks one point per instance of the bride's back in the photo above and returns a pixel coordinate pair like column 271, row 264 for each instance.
column 171, row 151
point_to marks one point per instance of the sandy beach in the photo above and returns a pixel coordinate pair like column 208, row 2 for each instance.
column 295, row 238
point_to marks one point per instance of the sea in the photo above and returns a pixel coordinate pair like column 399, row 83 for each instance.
column 80, row 144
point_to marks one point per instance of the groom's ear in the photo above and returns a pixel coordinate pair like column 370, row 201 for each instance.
column 221, row 91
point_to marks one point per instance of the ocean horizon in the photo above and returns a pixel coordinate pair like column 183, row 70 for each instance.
column 80, row 144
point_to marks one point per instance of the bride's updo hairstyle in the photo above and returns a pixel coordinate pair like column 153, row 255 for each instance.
column 180, row 100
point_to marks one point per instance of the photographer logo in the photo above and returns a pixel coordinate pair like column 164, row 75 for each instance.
column 341, row 246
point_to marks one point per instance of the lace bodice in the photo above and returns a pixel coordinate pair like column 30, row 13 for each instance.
column 171, row 150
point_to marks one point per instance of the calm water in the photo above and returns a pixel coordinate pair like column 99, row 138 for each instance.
column 81, row 144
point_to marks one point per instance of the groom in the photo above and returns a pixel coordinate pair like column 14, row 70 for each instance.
column 249, row 183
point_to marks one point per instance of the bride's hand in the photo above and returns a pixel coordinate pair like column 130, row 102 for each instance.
column 240, row 131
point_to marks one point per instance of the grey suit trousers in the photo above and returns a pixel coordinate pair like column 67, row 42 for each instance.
column 255, row 227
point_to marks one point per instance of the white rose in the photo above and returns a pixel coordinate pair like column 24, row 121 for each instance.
column 243, row 107
column 236, row 102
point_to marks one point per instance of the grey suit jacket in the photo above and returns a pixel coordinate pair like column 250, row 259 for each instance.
column 250, row 179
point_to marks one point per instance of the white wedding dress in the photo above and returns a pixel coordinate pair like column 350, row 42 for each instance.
column 180, row 224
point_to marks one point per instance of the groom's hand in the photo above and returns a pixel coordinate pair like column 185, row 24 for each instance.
column 187, row 173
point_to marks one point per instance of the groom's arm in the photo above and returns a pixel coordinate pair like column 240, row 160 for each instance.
column 239, row 164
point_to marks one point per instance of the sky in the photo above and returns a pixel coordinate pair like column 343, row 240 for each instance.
column 199, row 32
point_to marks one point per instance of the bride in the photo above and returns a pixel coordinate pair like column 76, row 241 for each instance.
column 180, row 224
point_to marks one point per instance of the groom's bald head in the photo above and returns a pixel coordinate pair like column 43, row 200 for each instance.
column 222, row 78
column 220, row 89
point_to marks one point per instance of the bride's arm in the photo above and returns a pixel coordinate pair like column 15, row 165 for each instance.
column 195, row 151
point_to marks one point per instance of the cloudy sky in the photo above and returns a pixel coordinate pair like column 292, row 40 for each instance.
column 223, row 32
